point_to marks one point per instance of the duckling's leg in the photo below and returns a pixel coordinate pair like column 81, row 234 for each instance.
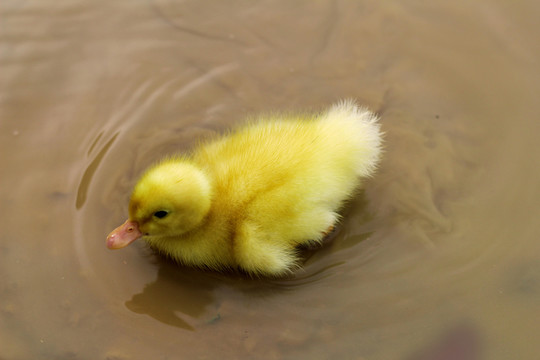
column 329, row 231
column 331, row 219
column 324, row 237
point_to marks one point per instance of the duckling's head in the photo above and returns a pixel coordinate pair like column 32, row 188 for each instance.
column 169, row 200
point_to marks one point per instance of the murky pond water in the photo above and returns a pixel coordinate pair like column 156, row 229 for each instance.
column 444, row 237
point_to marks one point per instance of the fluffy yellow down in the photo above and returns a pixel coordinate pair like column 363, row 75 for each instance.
column 248, row 199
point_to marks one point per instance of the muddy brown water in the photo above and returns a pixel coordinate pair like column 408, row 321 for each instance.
column 445, row 236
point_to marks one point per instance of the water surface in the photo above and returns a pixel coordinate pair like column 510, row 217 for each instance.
column 443, row 238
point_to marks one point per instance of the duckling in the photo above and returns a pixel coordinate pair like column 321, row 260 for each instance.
column 249, row 199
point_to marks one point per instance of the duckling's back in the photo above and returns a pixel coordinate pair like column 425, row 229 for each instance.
column 289, row 150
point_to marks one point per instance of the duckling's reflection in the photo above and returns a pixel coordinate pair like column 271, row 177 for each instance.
column 176, row 290
column 189, row 291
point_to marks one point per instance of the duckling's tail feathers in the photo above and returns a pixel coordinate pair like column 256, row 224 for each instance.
column 361, row 127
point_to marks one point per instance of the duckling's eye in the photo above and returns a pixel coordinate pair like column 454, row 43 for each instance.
column 161, row 214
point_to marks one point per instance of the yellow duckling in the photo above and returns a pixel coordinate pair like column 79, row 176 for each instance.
column 248, row 199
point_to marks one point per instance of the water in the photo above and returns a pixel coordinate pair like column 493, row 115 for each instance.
column 444, row 237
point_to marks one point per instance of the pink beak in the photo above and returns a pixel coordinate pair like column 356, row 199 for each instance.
column 123, row 235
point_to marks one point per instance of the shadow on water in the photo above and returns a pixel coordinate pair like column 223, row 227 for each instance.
column 174, row 292
column 91, row 169
column 181, row 293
